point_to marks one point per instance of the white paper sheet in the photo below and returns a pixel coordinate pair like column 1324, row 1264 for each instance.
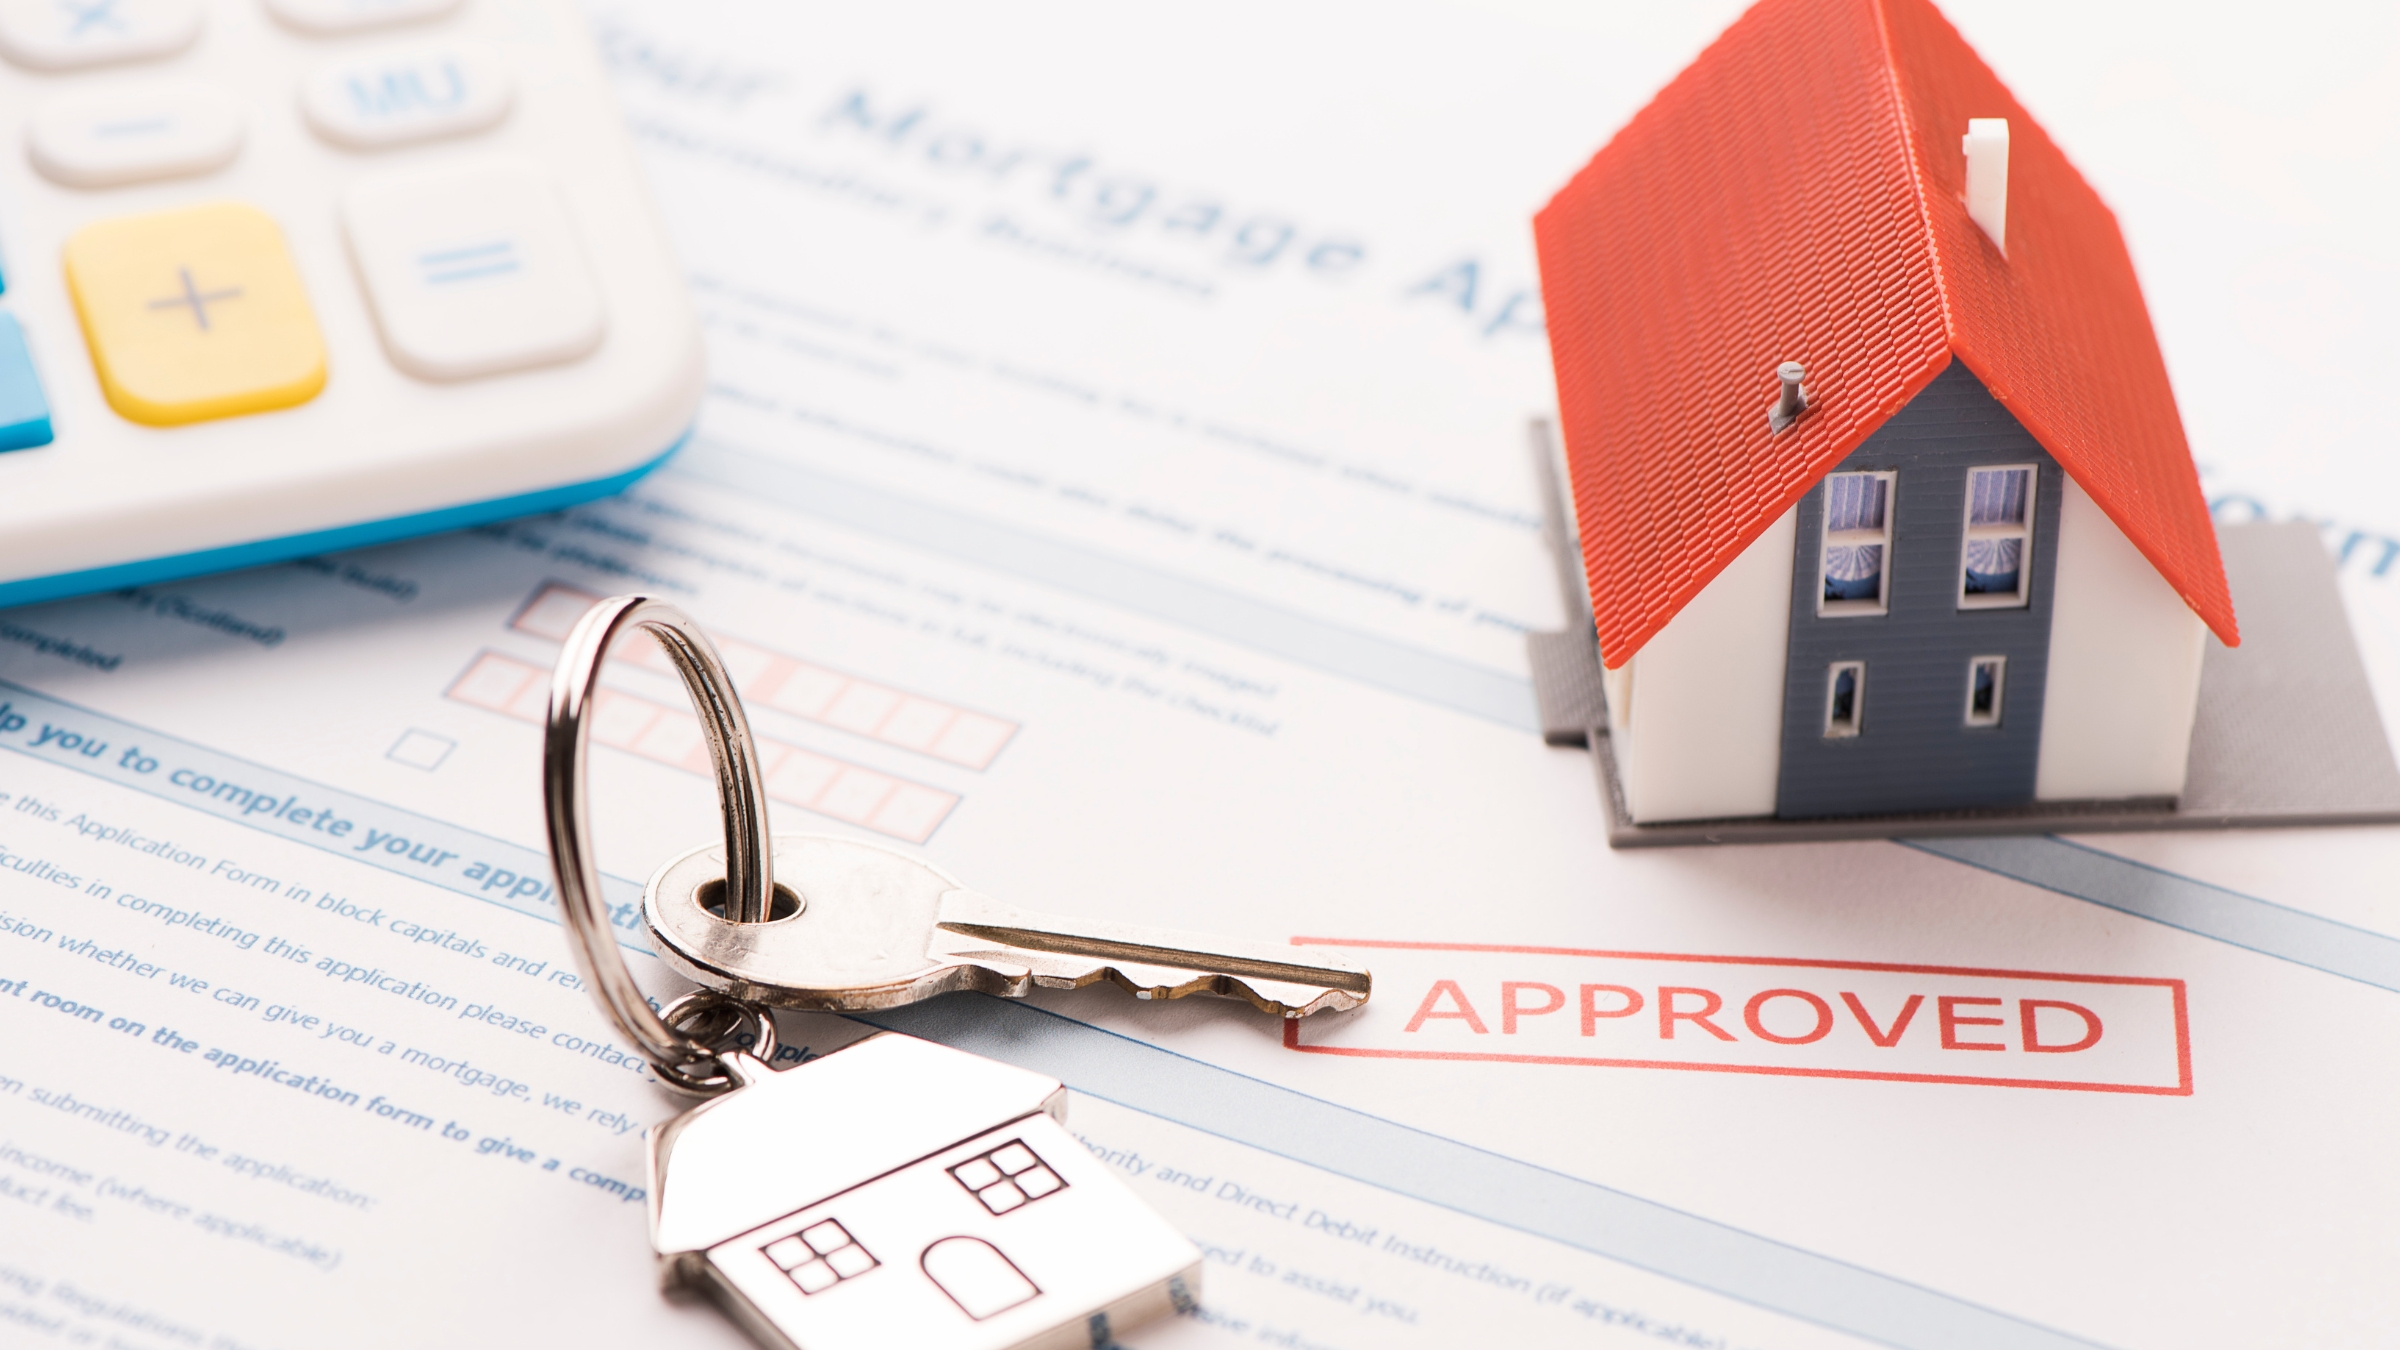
column 1113, row 484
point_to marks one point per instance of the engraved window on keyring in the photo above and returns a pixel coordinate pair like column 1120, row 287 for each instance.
column 820, row 1256
column 1996, row 565
column 1856, row 558
column 1007, row 1177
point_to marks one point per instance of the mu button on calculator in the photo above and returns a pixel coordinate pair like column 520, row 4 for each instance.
column 194, row 313
column 402, row 94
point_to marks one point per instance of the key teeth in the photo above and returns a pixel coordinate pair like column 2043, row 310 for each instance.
column 1014, row 980
column 1342, row 1000
column 979, row 919
column 1234, row 987
column 1330, row 1000
column 1222, row 986
column 1009, row 979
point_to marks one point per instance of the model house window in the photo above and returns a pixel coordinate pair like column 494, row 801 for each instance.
column 1996, row 571
column 1987, row 676
column 1845, row 697
column 1858, row 544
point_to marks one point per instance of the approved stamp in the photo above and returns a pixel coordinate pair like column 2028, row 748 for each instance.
column 1763, row 1015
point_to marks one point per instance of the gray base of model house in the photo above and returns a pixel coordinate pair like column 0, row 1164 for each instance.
column 2287, row 732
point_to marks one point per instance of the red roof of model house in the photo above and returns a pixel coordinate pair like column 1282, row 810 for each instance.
column 1797, row 195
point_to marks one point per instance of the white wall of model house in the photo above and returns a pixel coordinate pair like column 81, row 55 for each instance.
column 1696, row 717
column 2124, row 682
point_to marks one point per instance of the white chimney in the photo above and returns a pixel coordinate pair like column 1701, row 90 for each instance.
column 1986, row 144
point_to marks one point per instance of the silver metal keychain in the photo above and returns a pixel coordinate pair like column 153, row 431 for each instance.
column 893, row 1193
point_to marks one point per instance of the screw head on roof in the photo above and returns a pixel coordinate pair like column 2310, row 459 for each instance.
column 1792, row 400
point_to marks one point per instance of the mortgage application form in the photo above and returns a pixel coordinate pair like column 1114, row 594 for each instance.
column 1113, row 485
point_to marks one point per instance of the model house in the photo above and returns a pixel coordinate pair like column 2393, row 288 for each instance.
column 1883, row 498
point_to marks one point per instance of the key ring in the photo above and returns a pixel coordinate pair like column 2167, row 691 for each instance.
column 684, row 1062
column 735, row 1068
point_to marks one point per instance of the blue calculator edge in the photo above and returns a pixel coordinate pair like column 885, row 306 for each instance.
column 259, row 553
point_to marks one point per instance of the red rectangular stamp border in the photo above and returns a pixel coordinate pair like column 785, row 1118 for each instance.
column 2183, row 1037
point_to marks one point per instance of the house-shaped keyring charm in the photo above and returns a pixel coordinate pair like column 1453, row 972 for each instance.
column 901, row 1193
column 1883, row 507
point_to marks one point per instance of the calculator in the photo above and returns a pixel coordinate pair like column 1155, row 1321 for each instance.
column 285, row 276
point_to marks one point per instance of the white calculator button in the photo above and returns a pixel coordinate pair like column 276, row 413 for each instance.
column 131, row 133
column 349, row 16
column 68, row 34
column 472, row 271
column 399, row 94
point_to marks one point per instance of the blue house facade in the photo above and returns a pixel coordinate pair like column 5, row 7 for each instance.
column 1923, row 575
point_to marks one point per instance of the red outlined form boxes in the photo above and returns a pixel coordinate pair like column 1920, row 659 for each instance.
column 1762, row 1015
column 804, row 689
column 671, row 735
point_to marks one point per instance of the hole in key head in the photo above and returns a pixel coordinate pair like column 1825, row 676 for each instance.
column 712, row 898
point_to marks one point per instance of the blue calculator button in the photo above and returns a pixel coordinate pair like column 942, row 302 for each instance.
column 24, row 413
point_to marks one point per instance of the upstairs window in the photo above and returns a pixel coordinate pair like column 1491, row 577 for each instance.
column 1858, row 544
column 1996, row 571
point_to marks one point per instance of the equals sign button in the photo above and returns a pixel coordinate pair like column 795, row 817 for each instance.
column 471, row 262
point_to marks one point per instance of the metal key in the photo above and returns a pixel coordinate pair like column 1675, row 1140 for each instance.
column 857, row 926
column 895, row 1192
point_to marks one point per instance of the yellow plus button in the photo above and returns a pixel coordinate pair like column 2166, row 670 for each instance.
column 195, row 313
